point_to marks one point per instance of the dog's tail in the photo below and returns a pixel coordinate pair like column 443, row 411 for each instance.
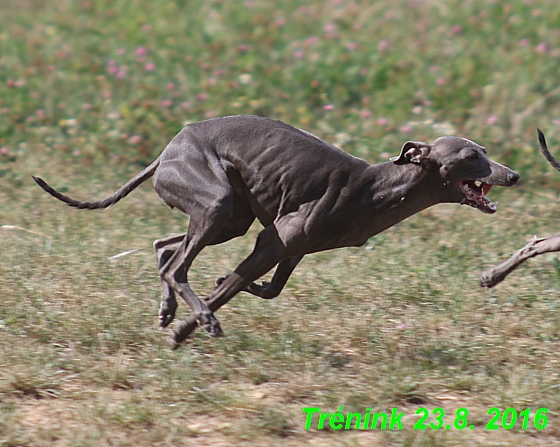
column 125, row 190
column 544, row 149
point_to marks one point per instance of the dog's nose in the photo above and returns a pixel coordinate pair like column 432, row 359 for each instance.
column 513, row 177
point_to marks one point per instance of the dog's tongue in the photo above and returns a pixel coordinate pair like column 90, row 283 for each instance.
column 475, row 192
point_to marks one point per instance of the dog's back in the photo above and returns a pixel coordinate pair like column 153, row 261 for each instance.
column 274, row 167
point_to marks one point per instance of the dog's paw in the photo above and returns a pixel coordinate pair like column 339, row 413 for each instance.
column 166, row 313
column 490, row 279
column 210, row 324
column 182, row 330
column 265, row 291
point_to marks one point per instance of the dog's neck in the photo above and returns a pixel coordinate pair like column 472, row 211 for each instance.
column 410, row 187
column 398, row 193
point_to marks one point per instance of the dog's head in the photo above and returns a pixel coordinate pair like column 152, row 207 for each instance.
column 465, row 171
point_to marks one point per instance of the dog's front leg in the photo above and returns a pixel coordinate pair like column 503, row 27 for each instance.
column 269, row 290
column 174, row 273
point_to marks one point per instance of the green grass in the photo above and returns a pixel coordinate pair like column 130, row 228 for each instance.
column 92, row 91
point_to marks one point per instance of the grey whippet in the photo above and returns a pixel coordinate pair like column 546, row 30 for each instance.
column 536, row 246
column 309, row 195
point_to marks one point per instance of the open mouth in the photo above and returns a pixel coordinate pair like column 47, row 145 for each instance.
column 475, row 195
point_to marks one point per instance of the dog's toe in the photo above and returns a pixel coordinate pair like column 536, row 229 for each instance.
column 166, row 314
column 165, row 320
column 489, row 279
column 210, row 324
column 215, row 331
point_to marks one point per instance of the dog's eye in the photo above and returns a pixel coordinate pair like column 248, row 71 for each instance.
column 472, row 155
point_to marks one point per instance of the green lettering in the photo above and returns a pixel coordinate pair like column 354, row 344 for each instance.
column 396, row 417
column 309, row 411
column 322, row 418
column 376, row 417
column 349, row 418
column 336, row 420
column 366, row 419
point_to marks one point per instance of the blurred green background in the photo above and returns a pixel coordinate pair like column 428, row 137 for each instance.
column 104, row 81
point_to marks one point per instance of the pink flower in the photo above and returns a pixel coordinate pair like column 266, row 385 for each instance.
column 298, row 54
column 524, row 43
column 166, row 103
column 491, row 120
column 141, row 51
column 365, row 114
column 330, row 28
column 150, row 66
column 383, row 45
column 457, row 29
column 170, row 86
column 121, row 74
column 112, row 68
column 352, row 46
column 441, row 82
column 328, row 107
column 541, row 48
column 121, row 51
column 382, row 121
column 4, row 151
column 310, row 41
column 405, row 129
column 202, row 96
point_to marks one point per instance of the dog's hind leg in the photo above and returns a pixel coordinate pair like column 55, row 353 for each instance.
column 199, row 187
column 237, row 225
column 269, row 251
column 164, row 249
column 174, row 271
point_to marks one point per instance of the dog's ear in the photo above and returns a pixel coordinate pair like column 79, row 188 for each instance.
column 412, row 152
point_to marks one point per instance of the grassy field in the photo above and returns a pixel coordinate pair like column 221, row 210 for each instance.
column 91, row 91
